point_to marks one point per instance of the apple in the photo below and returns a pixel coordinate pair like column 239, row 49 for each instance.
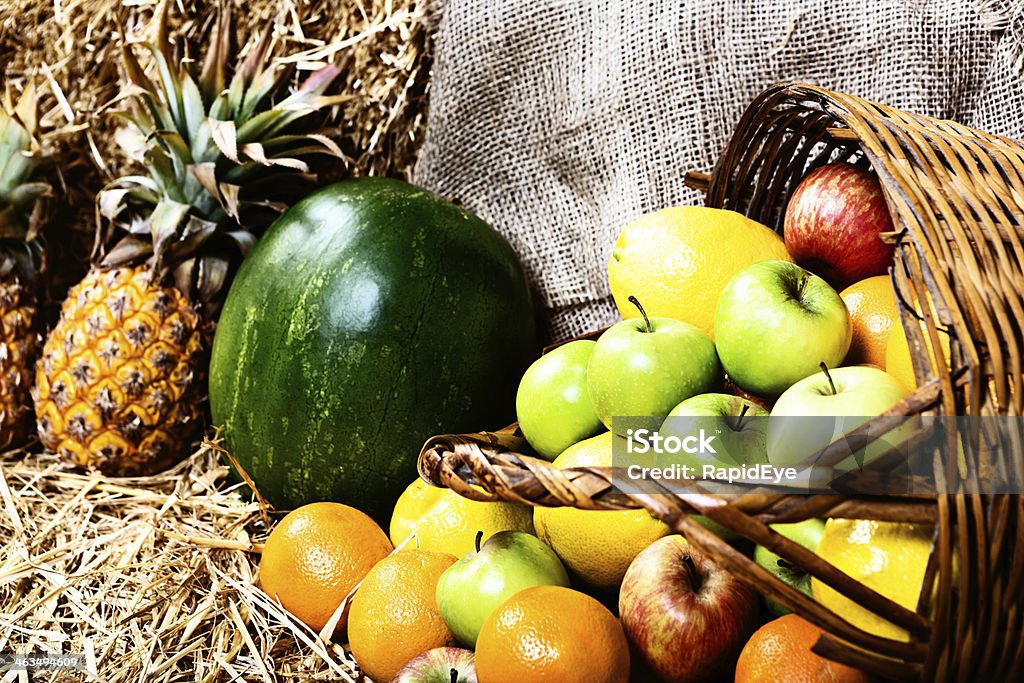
column 826, row 406
column 440, row 665
column 553, row 402
column 739, row 425
column 643, row 367
column 832, row 224
column 807, row 533
column 469, row 590
column 687, row 617
column 775, row 323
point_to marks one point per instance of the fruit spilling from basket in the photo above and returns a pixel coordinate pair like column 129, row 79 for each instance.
column 332, row 332
column 723, row 319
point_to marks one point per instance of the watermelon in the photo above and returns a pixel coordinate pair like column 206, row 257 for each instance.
column 371, row 316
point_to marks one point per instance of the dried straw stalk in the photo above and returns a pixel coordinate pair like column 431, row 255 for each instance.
column 72, row 48
column 151, row 578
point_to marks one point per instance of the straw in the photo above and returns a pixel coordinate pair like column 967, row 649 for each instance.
column 153, row 578
column 72, row 48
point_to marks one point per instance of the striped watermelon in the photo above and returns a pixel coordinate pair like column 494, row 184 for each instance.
column 372, row 315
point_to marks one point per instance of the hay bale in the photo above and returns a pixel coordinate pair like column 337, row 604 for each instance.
column 74, row 48
column 151, row 578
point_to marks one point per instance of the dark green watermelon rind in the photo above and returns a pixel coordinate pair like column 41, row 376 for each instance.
column 371, row 316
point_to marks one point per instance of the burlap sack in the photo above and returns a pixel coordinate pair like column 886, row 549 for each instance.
column 558, row 121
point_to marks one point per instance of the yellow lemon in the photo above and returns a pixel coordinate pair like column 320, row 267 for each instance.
column 596, row 545
column 677, row 261
column 889, row 557
column 897, row 355
column 445, row 522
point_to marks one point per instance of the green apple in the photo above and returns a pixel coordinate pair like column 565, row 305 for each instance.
column 553, row 402
column 775, row 323
column 740, row 427
column 807, row 533
column 643, row 367
column 826, row 406
column 473, row 587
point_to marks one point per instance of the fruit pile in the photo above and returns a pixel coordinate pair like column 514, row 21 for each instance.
column 332, row 331
column 722, row 318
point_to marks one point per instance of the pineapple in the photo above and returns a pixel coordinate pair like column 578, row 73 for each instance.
column 24, row 206
column 122, row 378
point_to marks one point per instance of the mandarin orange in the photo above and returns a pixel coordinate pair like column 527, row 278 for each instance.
column 394, row 615
column 551, row 633
column 316, row 555
column 781, row 651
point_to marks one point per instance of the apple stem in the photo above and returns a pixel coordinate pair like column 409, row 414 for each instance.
column 787, row 565
column 739, row 418
column 633, row 300
column 691, row 566
column 479, row 537
column 454, row 673
column 831, row 384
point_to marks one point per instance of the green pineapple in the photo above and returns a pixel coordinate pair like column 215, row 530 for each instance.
column 24, row 209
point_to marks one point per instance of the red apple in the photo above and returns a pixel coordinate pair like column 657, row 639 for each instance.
column 440, row 665
column 833, row 221
column 687, row 617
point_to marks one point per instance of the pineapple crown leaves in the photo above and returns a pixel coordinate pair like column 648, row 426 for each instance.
column 222, row 157
column 25, row 189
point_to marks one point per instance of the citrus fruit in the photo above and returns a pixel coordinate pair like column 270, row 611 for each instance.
column 872, row 306
column 316, row 555
column 889, row 557
column 897, row 355
column 551, row 633
column 781, row 651
column 394, row 615
column 677, row 261
column 446, row 522
column 596, row 545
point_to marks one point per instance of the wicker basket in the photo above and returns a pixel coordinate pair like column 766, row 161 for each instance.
column 957, row 199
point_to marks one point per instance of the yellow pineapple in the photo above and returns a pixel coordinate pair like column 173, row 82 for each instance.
column 120, row 386
column 122, row 380
column 23, row 210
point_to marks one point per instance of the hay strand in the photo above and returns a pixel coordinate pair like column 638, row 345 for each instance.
column 73, row 47
column 153, row 578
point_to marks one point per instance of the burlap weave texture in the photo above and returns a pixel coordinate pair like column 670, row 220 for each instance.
column 559, row 121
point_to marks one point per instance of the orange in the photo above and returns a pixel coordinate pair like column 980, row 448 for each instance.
column 316, row 555
column 872, row 306
column 394, row 615
column 781, row 651
column 677, row 261
column 551, row 633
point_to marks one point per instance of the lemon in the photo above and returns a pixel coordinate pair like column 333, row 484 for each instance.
column 677, row 261
column 445, row 522
column 889, row 557
column 897, row 355
column 596, row 545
